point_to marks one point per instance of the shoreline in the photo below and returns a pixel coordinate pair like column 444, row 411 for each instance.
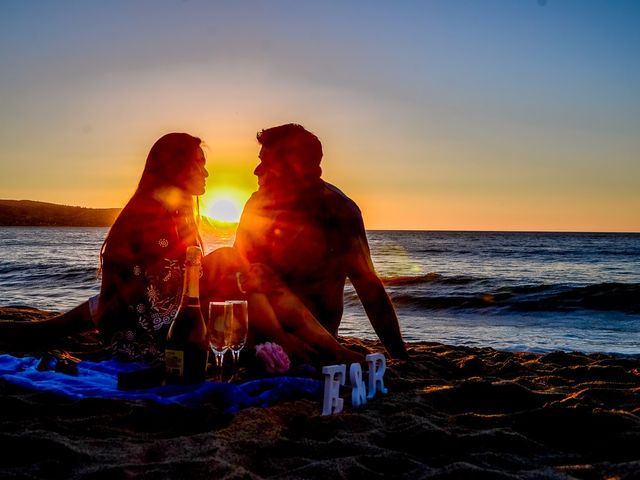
column 451, row 412
column 20, row 312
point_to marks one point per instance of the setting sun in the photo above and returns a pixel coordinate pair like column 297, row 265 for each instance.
column 223, row 209
column 224, row 205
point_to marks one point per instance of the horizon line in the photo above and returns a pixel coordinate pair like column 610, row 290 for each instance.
column 632, row 232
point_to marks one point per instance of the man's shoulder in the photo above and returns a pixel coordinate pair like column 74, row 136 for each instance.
column 255, row 201
column 339, row 199
column 255, row 196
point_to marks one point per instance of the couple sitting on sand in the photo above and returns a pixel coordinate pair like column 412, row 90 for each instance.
column 298, row 240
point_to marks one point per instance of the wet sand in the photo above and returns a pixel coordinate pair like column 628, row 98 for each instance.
column 451, row 412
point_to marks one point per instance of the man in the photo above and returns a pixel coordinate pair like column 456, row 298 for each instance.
column 312, row 235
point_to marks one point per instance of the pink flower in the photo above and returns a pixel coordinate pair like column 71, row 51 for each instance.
column 274, row 357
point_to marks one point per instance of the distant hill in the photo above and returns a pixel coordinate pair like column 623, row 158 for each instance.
column 41, row 214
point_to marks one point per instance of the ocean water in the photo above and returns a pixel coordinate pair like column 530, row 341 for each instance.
column 512, row 291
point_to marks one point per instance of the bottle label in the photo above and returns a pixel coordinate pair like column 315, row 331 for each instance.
column 174, row 360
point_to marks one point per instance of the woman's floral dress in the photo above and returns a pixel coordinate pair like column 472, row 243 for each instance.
column 142, row 281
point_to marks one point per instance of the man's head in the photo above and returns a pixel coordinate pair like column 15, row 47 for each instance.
column 289, row 158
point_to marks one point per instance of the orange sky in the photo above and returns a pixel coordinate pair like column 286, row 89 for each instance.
column 433, row 115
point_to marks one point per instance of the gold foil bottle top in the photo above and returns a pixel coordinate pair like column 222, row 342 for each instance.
column 194, row 254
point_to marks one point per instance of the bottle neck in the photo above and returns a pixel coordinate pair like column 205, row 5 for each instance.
column 191, row 290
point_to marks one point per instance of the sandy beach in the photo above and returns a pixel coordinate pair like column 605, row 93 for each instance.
column 451, row 412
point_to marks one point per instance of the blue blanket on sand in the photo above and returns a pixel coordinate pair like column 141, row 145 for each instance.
column 100, row 380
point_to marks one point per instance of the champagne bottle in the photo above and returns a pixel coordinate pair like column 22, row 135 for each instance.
column 187, row 346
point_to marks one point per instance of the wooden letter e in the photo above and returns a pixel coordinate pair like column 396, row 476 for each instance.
column 334, row 376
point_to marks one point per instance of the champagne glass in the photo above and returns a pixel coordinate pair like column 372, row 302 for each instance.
column 220, row 316
column 236, row 334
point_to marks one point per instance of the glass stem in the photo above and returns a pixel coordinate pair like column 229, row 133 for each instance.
column 219, row 363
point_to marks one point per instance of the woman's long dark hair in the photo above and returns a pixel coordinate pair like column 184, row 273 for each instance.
column 167, row 161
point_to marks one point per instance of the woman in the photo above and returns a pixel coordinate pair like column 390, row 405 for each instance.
column 144, row 253
column 142, row 277
column 141, row 260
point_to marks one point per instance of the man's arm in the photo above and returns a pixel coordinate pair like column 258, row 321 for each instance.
column 242, row 242
column 250, row 232
column 374, row 297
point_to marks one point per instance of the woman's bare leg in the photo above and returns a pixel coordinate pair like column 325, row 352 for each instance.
column 39, row 333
